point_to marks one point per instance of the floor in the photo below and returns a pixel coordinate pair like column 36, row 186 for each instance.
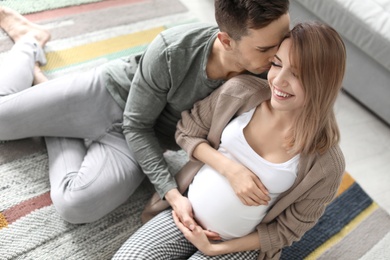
column 365, row 140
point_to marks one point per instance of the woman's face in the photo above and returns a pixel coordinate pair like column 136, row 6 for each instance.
column 287, row 91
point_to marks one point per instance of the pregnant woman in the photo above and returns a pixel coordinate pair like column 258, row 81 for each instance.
column 283, row 133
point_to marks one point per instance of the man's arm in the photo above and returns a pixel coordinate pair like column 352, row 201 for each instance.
column 146, row 101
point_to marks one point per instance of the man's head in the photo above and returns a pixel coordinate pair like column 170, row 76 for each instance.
column 236, row 17
column 251, row 31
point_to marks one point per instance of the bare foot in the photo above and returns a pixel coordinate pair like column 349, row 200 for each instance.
column 16, row 26
column 39, row 77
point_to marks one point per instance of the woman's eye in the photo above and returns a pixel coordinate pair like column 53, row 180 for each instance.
column 275, row 64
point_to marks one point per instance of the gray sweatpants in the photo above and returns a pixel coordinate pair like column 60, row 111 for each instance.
column 92, row 170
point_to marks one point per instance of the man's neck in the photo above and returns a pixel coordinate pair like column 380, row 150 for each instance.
column 220, row 64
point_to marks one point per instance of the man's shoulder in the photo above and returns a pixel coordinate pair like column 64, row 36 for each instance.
column 190, row 27
column 188, row 34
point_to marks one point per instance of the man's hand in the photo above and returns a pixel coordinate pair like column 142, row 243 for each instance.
column 197, row 236
column 183, row 208
column 183, row 211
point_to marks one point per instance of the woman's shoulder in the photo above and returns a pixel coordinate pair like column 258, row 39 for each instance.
column 335, row 156
column 332, row 162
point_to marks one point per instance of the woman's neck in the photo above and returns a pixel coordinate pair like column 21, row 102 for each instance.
column 280, row 119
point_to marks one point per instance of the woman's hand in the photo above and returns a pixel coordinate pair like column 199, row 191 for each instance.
column 184, row 214
column 247, row 186
column 196, row 236
column 245, row 183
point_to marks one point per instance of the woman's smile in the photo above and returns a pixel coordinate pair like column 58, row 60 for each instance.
column 280, row 94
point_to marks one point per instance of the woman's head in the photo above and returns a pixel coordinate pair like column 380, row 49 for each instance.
column 317, row 57
column 318, row 54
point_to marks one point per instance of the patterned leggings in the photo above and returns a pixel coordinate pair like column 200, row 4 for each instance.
column 161, row 239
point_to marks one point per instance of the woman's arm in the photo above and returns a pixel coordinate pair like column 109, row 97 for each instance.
column 199, row 239
column 199, row 130
column 299, row 210
column 244, row 182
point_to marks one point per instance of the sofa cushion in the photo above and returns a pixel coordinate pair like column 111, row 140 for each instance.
column 365, row 23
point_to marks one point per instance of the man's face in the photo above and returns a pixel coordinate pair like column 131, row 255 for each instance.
column 254, row 51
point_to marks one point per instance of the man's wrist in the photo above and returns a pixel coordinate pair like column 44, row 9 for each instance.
column 172, row 195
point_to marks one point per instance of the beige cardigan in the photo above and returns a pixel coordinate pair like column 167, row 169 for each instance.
column 296, row 210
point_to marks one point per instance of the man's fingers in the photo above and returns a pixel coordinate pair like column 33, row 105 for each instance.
column 189, row 223
column 186, row 221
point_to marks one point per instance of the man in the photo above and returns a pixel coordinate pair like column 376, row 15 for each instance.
column 186, row 63
column 92, row 169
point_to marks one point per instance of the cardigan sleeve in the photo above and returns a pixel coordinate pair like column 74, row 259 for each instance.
column 194, row 126
column 205, row 122
column 317, row 190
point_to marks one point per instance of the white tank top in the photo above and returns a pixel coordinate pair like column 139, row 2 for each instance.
column 216, row 206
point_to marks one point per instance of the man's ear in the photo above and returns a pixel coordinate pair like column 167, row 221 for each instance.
column 225, row 40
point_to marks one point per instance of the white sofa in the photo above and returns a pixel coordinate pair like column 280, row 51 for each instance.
column 365, row 28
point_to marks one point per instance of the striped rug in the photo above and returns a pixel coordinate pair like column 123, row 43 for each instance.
column 87, row 33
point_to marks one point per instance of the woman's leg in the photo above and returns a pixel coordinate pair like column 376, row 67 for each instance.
column 157, row 239
column 247, row 255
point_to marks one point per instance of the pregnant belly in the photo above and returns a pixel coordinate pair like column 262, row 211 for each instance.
column 217, row 207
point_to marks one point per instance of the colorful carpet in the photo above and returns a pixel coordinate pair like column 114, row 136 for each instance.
column 89, row 33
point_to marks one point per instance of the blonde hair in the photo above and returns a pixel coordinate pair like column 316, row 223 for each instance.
column 319, row 54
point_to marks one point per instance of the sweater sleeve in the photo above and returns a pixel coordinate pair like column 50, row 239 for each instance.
column 146, row 100
column 316, row 190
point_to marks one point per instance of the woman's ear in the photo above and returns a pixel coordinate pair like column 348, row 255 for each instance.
column 225, row 40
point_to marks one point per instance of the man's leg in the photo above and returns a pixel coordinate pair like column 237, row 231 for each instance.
column 17, row 26
column 89, row 182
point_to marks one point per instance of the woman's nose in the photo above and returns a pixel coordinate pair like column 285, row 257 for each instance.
column 280, row 79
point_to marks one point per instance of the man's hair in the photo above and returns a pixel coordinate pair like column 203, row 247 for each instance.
column 235, row 17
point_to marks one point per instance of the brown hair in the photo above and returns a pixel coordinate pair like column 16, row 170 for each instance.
column 319, row 54
column 235, row 17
